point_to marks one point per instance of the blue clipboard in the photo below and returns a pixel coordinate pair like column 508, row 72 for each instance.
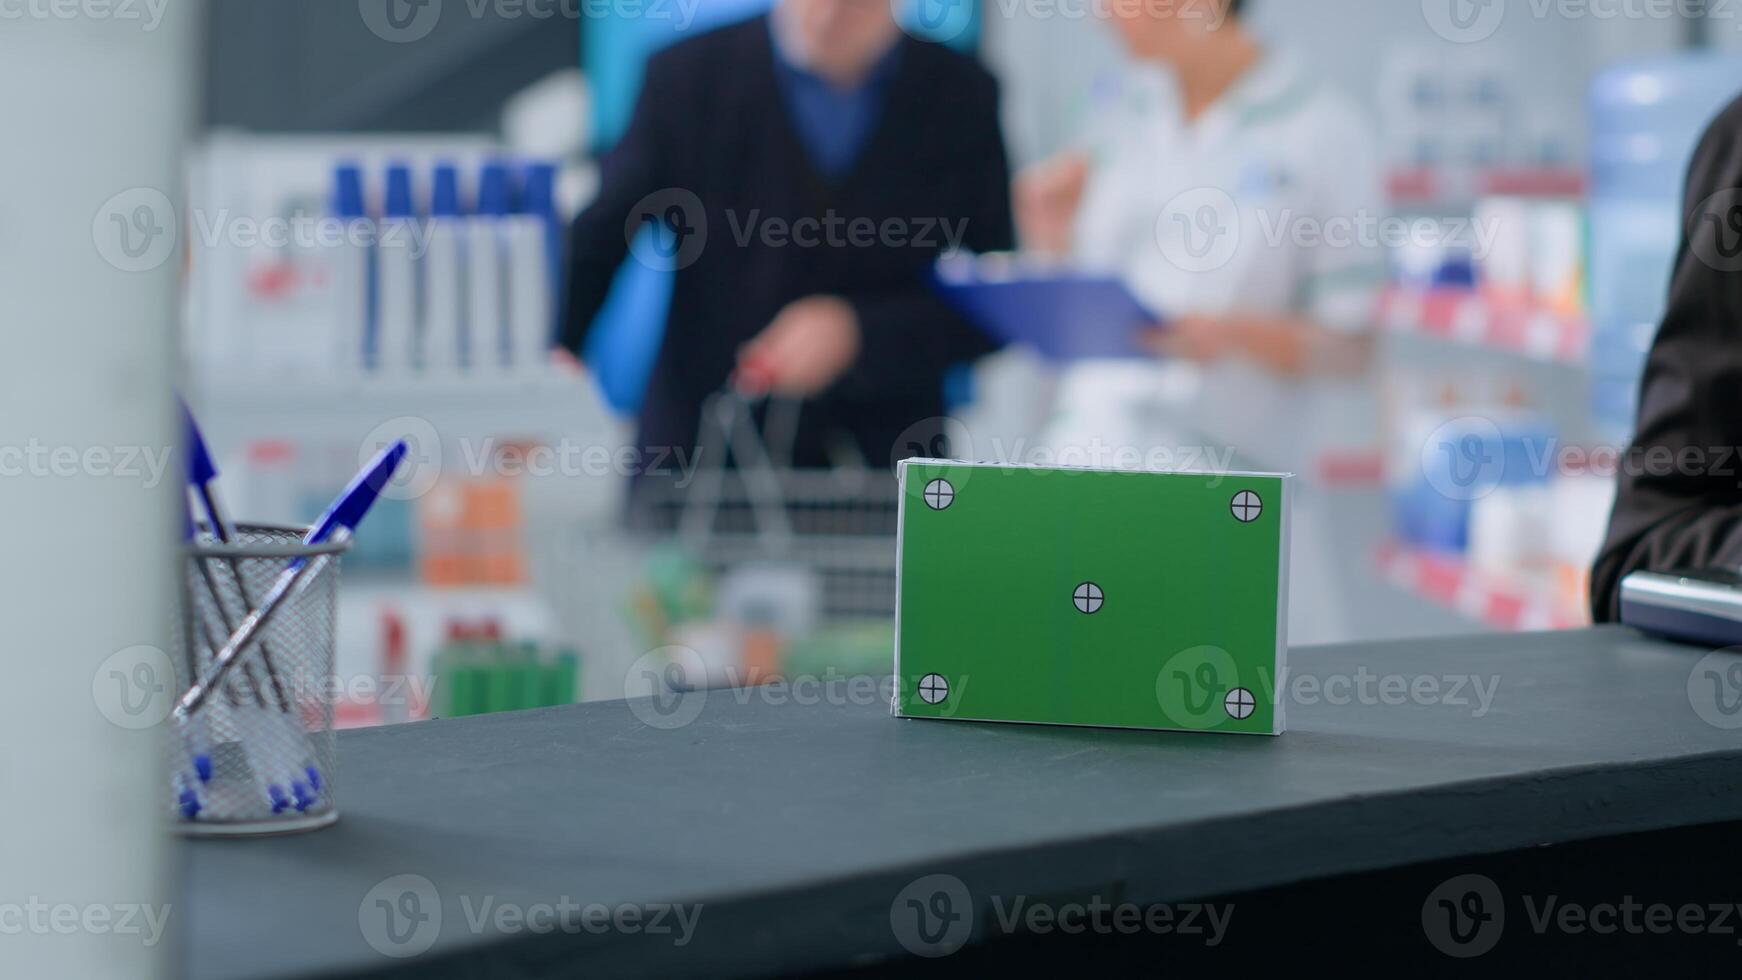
column 1062, row 313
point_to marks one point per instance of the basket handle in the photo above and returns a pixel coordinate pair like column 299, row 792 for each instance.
column 727, row 424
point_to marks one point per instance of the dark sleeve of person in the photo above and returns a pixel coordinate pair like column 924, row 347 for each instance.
column 1680, row 494
column 911, row 334
column 637, row 166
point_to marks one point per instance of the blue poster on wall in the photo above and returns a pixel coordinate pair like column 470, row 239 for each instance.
column 625, row 338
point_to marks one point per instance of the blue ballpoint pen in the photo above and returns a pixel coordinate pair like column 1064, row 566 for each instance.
column 195, row 758
column 299, row 785
column 196, row 743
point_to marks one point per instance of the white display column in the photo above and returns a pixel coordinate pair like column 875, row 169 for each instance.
column 96, row 101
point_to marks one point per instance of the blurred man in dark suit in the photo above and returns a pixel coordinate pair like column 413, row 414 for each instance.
column 802, row 172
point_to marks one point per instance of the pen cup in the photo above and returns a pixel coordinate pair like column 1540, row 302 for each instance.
column 256, row 756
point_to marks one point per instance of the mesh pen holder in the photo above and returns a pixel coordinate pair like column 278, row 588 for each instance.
column 256, row 757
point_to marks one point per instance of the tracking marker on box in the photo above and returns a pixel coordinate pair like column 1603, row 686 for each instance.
column 1101, row 598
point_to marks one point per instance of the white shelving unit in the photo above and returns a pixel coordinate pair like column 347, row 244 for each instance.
column 1514, row 602
column 551, row 404
column 1469, row 317
column 1494, row 343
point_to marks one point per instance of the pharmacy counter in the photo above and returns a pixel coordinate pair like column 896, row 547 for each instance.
column 787, row 831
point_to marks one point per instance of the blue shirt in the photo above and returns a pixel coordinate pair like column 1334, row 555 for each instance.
column 834, row 124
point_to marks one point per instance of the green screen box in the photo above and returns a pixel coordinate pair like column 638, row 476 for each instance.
column 1098, row 598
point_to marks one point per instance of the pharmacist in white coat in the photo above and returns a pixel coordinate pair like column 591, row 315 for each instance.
column 1239, row 198
column 1243, row 202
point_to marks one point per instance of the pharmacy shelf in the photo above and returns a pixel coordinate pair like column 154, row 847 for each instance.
column 424, row 610
column 1429, row 185
column 1513, row 603
column 543, row 404
column 1475, row 319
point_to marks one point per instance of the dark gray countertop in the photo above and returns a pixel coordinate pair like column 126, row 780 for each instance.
column 796, row 825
